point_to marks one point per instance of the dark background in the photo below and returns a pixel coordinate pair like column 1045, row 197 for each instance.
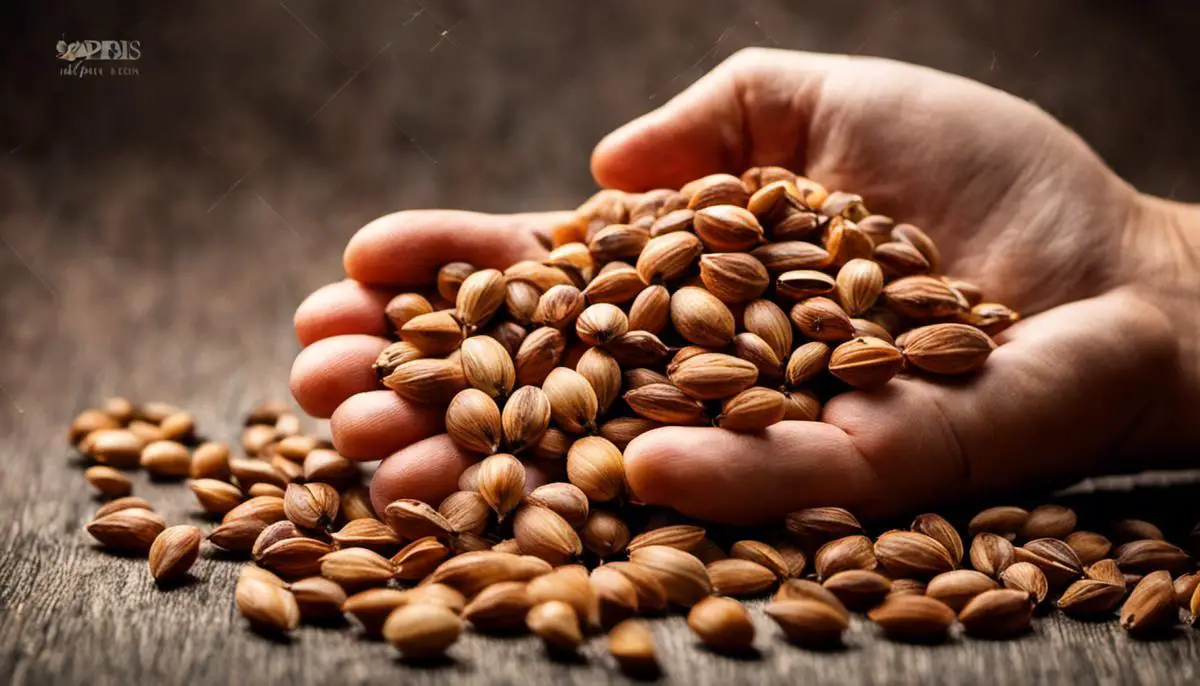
column 158, row 230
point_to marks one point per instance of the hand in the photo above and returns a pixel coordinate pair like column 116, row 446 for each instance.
column 1017, row 204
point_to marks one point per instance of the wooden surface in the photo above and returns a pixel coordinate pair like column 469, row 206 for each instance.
column 157, row 232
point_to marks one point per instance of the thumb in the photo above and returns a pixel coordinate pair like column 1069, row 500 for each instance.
column 752, row 109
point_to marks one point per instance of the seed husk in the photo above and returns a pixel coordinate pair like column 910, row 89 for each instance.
column 311, row 505
column 722, row 624
column 126, row 503
column 1106, row 570
column 667, row 256
column 651, row 309
column 487, row 366
column 858, row 588
column 596, row 467
column 716, row 190
column 1088, row 597
column 762, row 554
column 569, row 584
column 947, row 348
column 621, row 430
column 604, row 534
column 501, row 482
column 848, row 552
column 119, row 448
column 1151, row 606
column 991, row 553
column 266, row 605
column 958, row 587
column 318, row 598
column 1005, row 521
column 543, row 533
column 500, row 606
column 711, row 376
column 427, row 381
column 936, row 527
column 1055, row 558
column 651, row 593
column 450, row 278
column 356, row 568
column 663, row 402
column 295, row 557
column 638, row 349
column 469, row 511
column 1001, row 613
column 601, row 323
column 792, row 255
column 573, row 402
column 603, row 373
column 735, row 577
column 907, row 587
column 417, row 559
column 752, row 348
column 479, row 296
column 566, row 500
column 404, row 307
column 552, row 446
column 372, row 607
column 1148, row 555
column 422, row 630
column 727, row 228
column 473, row 421
column 1185, row 588
column 88, row 421
column 366, row 532
column 816, row 525
column 413, row 519
column 795, row 558
column 807, row 362
column 924, row 298
column 616, row 596
column 617, row 284
column 251, row 471
column 556, row 624
column 913, row 618
column 821, row 319
column 733, row 277
column 1090, row 546
column 434, row 334
column 178, row 426
column 1128, row 530
column 1027, row 577
column 859, row 283
column 525, row 418
column 210, row 460
column 632, row 646
column 682, row 575
column 133, row 529
column 909, row 554
column 809, row 623
column 108, row 481
column 769, row 322
column 701, row 318
column 865, row 362
column 806, row 589
column 173, row 552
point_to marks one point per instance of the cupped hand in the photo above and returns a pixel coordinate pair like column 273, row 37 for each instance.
column 1017, row 204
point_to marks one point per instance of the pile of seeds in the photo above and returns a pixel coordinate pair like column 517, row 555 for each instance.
column 735, row 302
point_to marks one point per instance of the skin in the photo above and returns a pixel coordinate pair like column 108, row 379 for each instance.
column 1099, row 376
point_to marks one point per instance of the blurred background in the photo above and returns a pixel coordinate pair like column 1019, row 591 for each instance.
column 159, row 227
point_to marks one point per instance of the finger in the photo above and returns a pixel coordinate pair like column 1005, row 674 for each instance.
column 428, row 471
column 753, row 109
column 1051, row 404
column 375, row 424
column 332, row 369
column 407, row 248
column 344, row 307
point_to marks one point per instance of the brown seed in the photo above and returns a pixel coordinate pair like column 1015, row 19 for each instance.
column 126, row 503
column 809, row 623
column 822, row 319
column 958, row 587
column 1107, row 571
column 755, row 350
column 947, row 348
column 754, row 409
column 539, row 353
column 372, row 607
column 1151, row 606
column 356, row 568
column 356, row 504
column 795, row 558
column 710, row 376
column 173, row 552
column 616, row 596
column 1005, row 521
column 113, row 447
column 722, row 624
column 701, row 318
column 556, row 624
column 413, row 519
column 1128, row 530
column 473, row 421
column 859, row 589
column 603, row 373
column 791, row 255
column 1088, row 597
column 667, row 404
column 913, row 618
column 294, row 557
column 1185, row 588
column 312, row 506
column 267, row 606
column 990, row 318
column 733, row 277
column 600, row 323
column 799, row 284
column 525, row 418
column 817, row 525
column 922, row 298
column 907, row 587
column 210, row 460
column 108, row 481
column 422, row 630
column 565, row 499
column 88, row 421
column 404, row 307
column 1001, row 613
column 907, row 233
column 991, row 553
column 735, row 577
column 553, row 445
column 450, row 279
column 1027, row 577
column 651, row 309
column 479, row 296
column 866, row 327
column 330, row 467
column 541, row 532
column 257, row 437
column 936, row 527
column 418, row 559
column 621, row 430
column 568, row 584
column 651, row 593
column 1148, row 555
column 1090, row 546
column 271, row 535
column 467, row 511
column 805, row 589
column 604, row 534
column 500, row 606
column 859, row 283
column 1055, row 558
column 766, row 320
column 260, row 574
column 596, row 467
column 521, row 300
column 681, row 574
column 727, row 228
column 848, row 552
column 434, row 334
column 366, row 532
column 638, row 349
column 487, row 366
column 865, row 362
column 912, row 555
column 679, row 220
column 541, row 275
column 632, row 646
column 807, row 362
column 618, row 242
column 318, row 598
column 757, row 178
column 132, row 529
column 573, row 402
column 427, row 381
column 716, row 190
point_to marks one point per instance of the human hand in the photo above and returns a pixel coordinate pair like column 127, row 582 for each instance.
column 1017, row 204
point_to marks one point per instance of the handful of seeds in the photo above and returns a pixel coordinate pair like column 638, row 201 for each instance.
column 731, row 302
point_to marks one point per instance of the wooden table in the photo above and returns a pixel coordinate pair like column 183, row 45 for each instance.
column 158, row 231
